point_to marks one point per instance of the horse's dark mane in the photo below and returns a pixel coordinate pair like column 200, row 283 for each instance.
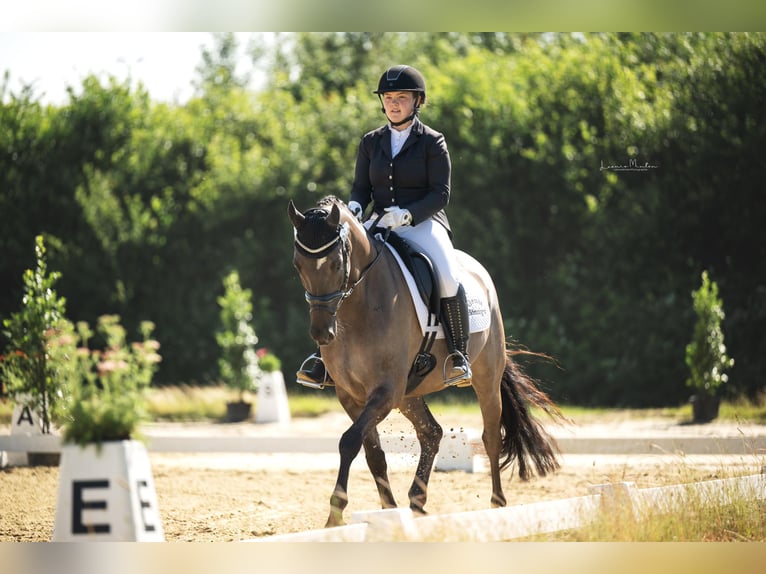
column 328, row 201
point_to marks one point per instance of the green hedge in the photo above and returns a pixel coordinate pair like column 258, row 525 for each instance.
column 147, row 206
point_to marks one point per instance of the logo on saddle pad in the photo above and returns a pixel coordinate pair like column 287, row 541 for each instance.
column 424, row 291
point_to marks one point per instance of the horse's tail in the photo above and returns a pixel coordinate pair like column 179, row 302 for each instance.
column 523, row 437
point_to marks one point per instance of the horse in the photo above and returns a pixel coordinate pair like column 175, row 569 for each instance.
column 365, row 324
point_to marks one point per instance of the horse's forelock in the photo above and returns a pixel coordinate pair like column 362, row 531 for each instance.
column 315, row 231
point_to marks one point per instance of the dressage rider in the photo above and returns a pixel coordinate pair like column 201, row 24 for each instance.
column 403, row 169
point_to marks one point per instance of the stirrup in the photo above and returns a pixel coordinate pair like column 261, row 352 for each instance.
column 304, row 378
column 462, row 380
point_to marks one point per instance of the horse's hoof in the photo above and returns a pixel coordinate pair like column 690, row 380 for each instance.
column 418, row 511
column 335, row 519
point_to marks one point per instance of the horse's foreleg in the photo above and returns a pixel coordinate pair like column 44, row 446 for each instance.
column 376, row 462
column 377, row 408
column 429, row 434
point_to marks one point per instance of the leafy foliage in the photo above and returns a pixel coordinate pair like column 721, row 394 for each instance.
column 106, row 399
column 706, row 353
column 238, row 363
column 30, row 373
column 146, row 206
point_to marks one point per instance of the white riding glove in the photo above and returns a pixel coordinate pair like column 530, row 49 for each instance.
column 395, row 217
column 356, row 209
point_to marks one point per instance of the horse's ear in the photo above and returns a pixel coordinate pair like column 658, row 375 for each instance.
column 295, row 216
column 334, row 217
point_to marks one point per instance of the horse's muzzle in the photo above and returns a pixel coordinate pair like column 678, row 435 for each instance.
column 324, row 333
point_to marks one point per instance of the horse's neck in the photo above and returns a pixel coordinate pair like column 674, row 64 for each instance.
column 365, row 251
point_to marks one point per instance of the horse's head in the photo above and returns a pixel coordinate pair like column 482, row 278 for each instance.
column 322, row 258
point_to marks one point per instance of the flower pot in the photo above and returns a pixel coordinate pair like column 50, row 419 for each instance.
column 44, row 458
column 238, row 411
column 704, row 407
column 106, row 493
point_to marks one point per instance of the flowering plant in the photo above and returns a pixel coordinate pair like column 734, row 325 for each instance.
column 105, row 386
column 268, row 362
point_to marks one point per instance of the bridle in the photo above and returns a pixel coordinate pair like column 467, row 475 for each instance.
column 331, row 302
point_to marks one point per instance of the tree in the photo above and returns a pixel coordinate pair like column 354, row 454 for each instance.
column 238, row 363
column 31, row 375
column 218, row 69
column 706, row 353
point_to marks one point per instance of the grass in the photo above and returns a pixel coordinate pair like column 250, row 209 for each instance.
column 691, row 515
column 198, row 403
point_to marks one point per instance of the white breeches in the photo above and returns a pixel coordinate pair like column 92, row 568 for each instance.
column 432, row 239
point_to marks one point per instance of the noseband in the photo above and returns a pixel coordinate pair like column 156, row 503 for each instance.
column 331, row 302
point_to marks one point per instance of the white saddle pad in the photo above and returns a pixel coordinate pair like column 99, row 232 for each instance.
column 478, row 306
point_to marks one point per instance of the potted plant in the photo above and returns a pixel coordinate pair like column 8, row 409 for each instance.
column 106, row 399
column 30, row 374
column 273, row 405
column 268, row 362
column 238, row 363
column 104, row 465
column 706, row 353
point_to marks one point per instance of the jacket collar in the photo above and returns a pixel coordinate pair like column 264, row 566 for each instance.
column 415, row 132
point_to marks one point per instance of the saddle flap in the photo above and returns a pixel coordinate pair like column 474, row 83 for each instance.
column 422, row 269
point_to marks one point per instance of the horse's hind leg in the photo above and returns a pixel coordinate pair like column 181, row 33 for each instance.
column 429, row 434
column 491, row 413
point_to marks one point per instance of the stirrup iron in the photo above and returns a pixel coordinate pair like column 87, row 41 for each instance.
column 303, row 378
column 462, row 380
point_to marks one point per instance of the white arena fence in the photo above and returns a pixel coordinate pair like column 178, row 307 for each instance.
column 453, row 444
column 457, row 452
column 525, row 520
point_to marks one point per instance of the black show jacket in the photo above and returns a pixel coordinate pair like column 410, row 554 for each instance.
column 417, row 179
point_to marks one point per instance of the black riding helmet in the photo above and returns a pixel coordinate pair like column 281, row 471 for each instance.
column 402, row 78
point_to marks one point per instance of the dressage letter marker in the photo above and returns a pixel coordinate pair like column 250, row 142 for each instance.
column 79, row 506
column 272, row 399
column 25, row 421
column 106, row 494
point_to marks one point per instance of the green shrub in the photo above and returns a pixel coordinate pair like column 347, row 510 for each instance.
column 238, row 363
column 268, row 362
column 29, row 372
column 106, row 386
column 706, row 354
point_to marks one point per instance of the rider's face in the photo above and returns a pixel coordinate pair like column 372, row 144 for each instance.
column 399, row 105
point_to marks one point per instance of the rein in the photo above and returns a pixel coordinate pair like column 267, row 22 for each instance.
column 331, row 302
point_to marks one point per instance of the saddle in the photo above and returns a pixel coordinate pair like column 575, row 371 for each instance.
column 422, row 269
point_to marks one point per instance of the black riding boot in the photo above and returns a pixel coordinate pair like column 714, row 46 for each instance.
column 454, row 316
column 312, row 372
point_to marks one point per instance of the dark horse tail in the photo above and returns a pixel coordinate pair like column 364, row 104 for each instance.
column 523, row 437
